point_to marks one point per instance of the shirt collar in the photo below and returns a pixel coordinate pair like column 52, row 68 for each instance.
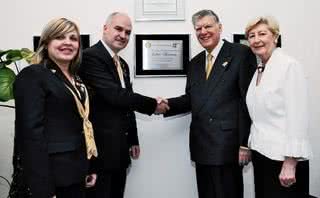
column 108, row 48
column 216, row 50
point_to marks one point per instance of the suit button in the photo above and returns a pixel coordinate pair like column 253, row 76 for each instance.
column 126, row 133
column 211, row 120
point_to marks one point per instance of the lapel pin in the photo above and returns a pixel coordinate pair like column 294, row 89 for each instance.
column 225, row 63
column 53, row 71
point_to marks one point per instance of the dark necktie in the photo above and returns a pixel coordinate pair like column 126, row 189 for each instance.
column 260, row 69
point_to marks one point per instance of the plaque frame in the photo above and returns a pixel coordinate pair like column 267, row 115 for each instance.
column 159, row 13
column 139, row 67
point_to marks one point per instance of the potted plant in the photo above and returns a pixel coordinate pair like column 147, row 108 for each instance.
column 7, row 75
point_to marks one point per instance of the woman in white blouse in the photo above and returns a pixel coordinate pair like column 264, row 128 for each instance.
column 277, row 103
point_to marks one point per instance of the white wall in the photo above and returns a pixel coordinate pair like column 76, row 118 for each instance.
column 164, row 169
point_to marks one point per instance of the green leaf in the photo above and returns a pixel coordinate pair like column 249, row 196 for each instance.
column 5, row 63
column 14, row 55
column 27, row 54
column 3, row 52
column 26, row 51
column 7, row 77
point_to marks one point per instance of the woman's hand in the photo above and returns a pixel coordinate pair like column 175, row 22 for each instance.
column 134, row 151
column 287, row 175
column 91, row 180
column 244, row 156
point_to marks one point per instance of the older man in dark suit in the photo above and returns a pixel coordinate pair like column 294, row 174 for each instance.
column 113, row 106
column 217, row 82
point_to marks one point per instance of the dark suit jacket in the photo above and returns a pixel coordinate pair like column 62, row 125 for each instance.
column 220, row 120
column 48, row 132
column 112, row 107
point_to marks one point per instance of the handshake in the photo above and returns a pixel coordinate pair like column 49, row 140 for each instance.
column 162, row 106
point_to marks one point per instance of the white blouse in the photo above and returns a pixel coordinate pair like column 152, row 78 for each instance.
column 278, row 109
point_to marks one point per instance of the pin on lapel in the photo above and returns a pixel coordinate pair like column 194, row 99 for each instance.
column 225, row 63
column 53, row 71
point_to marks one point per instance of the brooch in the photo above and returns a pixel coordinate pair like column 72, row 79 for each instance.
column 225, row 63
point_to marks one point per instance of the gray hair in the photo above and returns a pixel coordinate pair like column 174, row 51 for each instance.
column 110, row 17
column 202, row 13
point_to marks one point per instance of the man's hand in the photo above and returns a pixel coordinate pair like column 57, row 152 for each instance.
column 287, row 175
column 91, row 180
column 162, row 106
column 244, row 156
column 134, row 152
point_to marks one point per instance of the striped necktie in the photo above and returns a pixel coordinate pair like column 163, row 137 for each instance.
column 119, row 69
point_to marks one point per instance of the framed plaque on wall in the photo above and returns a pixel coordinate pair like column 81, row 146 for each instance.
column 162, row 54
column 158, row 10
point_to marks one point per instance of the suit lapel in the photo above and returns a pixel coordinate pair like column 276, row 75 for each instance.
column 104, row 54
column 220, row 65
column 60, row 81
column 200, row 73
column 126, row 73
column 56, row 71
column 199, row 80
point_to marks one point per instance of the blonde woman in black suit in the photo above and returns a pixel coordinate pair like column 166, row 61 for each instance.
column 53, row 139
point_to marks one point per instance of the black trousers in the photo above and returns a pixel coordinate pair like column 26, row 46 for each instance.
column 73, row 191
column 266, row 178
column 110, row 184
column 219, row 181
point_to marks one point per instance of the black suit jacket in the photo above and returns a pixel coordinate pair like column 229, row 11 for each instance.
column 48, row 131
column 220, row 120
column 112, row 107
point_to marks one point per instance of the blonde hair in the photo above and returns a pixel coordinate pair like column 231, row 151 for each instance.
column 271, row 22
column 54, row 29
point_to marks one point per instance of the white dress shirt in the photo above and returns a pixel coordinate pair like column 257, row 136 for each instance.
column 112, row 54
column 214, row 52
column 278, row 109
